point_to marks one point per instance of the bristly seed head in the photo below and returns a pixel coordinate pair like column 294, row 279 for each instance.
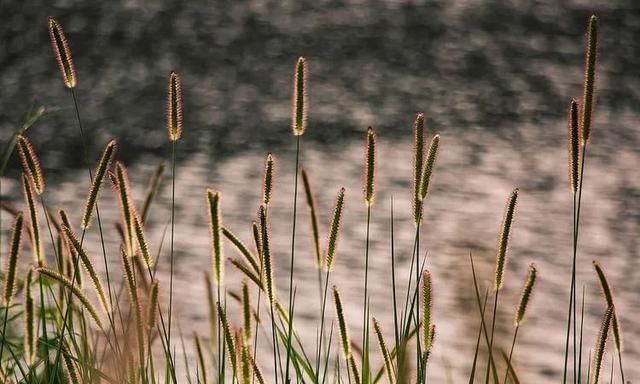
column 300, row 98
column 574, row 145
column 589, row 78
column 370, row 168
column 62, row 53
column 525, row 296
column 332, row 244
column 426, row 309
column 345, row 342
column 101, row 171
column 174, row 107
column 215, row 226
column 503, row 243
column 314, row 218
column 427, row 170
column 34, row 227
column 265, row 246
column 608, row 295
column 418, row 156
column 267, row 185
column 601, row 345
column 14, row 252
column 30, row 163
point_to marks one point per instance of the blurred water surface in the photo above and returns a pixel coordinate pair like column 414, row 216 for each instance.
column 493, row 78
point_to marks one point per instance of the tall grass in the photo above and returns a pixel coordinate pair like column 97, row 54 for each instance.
column 98, row 336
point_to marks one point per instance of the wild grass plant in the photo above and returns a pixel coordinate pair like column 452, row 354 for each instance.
column 67, row 337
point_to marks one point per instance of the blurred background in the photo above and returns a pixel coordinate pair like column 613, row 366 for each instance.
column 494, row 78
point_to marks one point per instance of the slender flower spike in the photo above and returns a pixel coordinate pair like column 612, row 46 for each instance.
column 601, row 345
column 574, row 145
column 174, row 107
column 267, row 186
column 266, row 253
column 428, row 167
column 418, row 156
column 30, row 163
column 503, row 243
column 215, row 225
column 101, row 171
column 62, row 52
column 426, row 309
column 386, row 357
column 300, row 98
column 345, row 342
column 122, row 189
column 315, row 231
column 606, row 290
column 335, row 229
column 34, row 227
column 527, row 289
column 14, row 252
column 370, row 170
column 589, row 78
column 29, row 323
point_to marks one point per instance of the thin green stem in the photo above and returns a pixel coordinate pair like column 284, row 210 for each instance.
column 493, row 327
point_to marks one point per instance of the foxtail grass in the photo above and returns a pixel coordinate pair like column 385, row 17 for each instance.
column 615, row 324
column 299, row 124
column 418, row 156
column 334, row 230
column 34, row 225
column 589, row 78
column 29, row 322
column 10, row 272
column 501, row 260
column 101, row 171
column 315, row 231
column 427, row 170
column 62, row 52
column 84, row 300
column 267, row 185
column 601, row 345
column 521, row 310
column 30, row 163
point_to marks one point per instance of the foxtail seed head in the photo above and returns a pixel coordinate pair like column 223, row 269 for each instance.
column 174, row 107
column 14, row 252
column 228, row 335
column 215, row 226
column 142, row 241
column 589, row 78
column 527, row 289
column 574, row 145
column 122, row 189
column 332, row 243
column 101, row 171
column 608, row 294
column 153, row 306
column 370, row 168
column 426, row 308
column 30, row 163
column 428, row 167
column 267, row 263
column 418, row 158
column 388, row 367
column 315, row 231
column 267, row 185
column 601, row 345
column 34, row 227
column 342, row 325
column 246, row 311
column 503, row 243
column 84, row 300
column 300, row 98
column 62, row 53
column 135, row 303
column 29, row 322
column 76, row 245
